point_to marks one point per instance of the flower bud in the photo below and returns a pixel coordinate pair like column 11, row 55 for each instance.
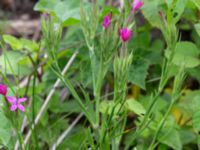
column 107, row 21
column 3, row 89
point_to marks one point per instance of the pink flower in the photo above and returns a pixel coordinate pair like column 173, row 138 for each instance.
column 125, row 34
column 107, row 21
column 3, row 89
column 16, row 103
column 137, row 4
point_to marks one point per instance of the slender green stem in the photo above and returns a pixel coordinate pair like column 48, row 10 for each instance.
column 98, row 91
column 161, row 124
column 33, row 109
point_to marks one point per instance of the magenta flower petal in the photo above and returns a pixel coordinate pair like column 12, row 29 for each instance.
column 11, row 99
column 3, row 89
column 21, row 107
column 137, row 4
column 125, row 34
column 13, row 107
column 20, row 100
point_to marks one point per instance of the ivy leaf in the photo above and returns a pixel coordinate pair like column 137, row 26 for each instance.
column 138, row 73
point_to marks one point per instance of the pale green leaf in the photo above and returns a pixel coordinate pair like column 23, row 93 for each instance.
column 172, row 139
column 45, row 5
column 10, row 63
column 13, row 42
column 179, row 9
column 150, row 11
column 5, row 129
column 65, row 10
column 134, row 106
column 186, row 54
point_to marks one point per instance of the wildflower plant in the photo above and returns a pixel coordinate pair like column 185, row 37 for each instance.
column 135, row 78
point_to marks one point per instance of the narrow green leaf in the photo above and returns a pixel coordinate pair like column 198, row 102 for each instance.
column 197, row 27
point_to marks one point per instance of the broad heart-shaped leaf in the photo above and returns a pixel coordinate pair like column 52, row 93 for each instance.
column 197, row 28
column 135, row 106
column 150, row 11
column 186, row 53
column 5, row 129
column 138, row 73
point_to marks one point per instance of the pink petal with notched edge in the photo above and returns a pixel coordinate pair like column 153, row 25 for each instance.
column 20, row 100
column 21, row 107
column 11, row 99
column 13, row 107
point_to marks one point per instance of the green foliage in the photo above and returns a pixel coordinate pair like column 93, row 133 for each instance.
column 186, row 54
column 138, row 73
column 66, row 11
column 5, row 130
column 15, row 63
column 197, row 27
column 20, row 44
column 134, row 106
column 132, row 95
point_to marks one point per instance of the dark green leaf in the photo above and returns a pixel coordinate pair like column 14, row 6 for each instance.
column 138, row 73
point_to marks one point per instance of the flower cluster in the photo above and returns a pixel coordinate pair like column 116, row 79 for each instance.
column 124, row 33
column 15, row 102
